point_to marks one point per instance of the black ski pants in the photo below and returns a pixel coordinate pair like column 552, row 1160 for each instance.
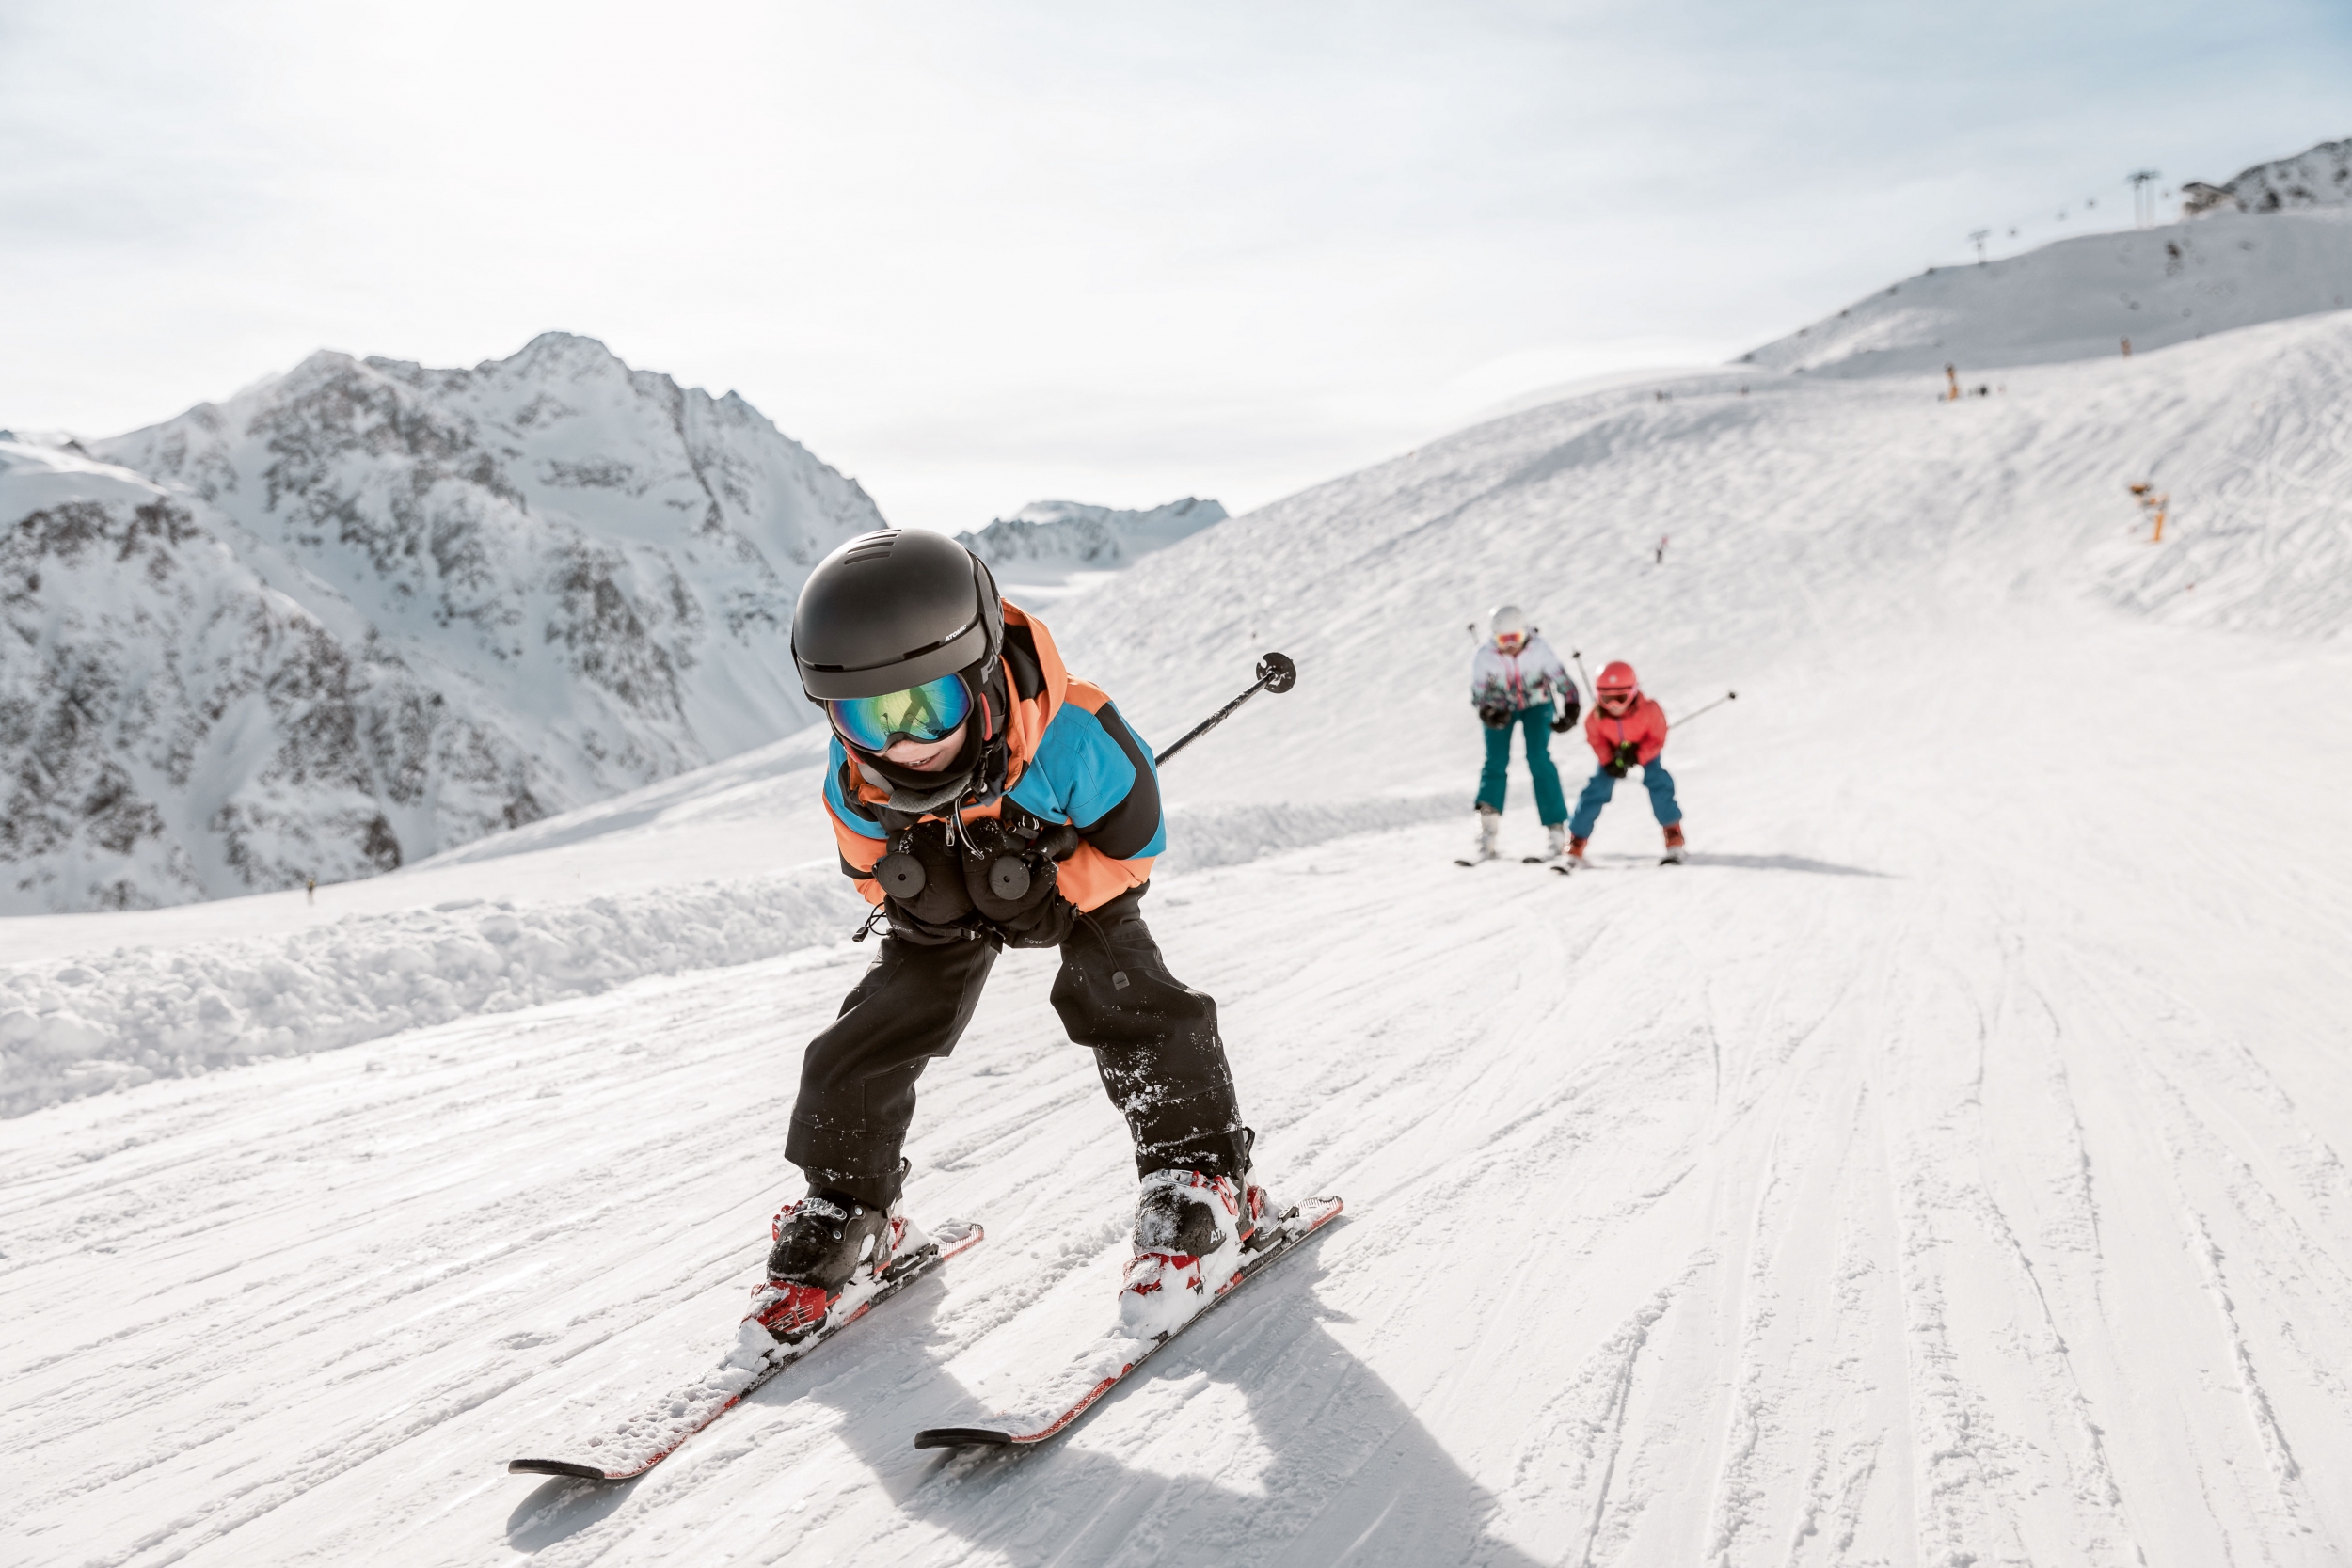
column 1155, row 1041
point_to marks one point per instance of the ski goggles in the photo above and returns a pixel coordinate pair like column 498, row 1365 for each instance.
column 1615, row 698
column 1510, row 642
column 924, row 713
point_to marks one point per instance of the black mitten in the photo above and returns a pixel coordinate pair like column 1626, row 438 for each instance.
column 1047, row 926
column 1004, row 878
column 923, row 877
column 1495, row 718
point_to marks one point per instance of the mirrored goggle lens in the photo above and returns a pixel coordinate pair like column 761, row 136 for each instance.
column 1609, row 696
column 925, row 713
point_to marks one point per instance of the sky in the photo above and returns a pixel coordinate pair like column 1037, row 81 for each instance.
column 978, row 255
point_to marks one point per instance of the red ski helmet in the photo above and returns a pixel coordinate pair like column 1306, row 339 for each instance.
column 1617, row 675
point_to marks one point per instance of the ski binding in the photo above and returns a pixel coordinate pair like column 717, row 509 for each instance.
column 1103, row 1365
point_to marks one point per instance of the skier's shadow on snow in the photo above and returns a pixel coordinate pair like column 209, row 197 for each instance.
column 1349, row 1472
column 1786, row 862
column 561, row 1508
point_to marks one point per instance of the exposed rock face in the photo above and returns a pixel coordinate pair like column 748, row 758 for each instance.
column 2319, row 178
column 1047, row 540
column 368, row 611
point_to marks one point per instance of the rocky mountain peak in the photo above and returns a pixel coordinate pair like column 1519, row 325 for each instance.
column 547, row 578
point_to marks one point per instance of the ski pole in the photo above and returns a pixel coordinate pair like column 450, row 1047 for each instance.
column 1276, row 673
column 1678, row 723
column 1592, row 692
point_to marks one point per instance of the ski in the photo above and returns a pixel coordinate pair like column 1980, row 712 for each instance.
column 1110, row 1359
column 656, row 1432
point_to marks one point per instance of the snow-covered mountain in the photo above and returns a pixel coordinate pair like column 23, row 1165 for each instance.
column 1046, row 541
column 465, row 598
column 2081, row 298
column 2319, row 178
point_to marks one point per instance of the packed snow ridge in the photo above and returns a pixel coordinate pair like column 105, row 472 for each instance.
column 1046, row 541
column 366, row 611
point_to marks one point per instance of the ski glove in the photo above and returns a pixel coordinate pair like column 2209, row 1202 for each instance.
column 1569, row 707
column 1012, row 877
column 1495, row 718
column 1046, row 926
column 1628, row 755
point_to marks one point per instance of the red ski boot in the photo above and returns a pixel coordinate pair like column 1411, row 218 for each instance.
column 1674, row 845
column 829, row 1249
column 1192, row 1232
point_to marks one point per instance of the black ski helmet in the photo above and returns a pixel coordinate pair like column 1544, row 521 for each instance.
column 893, row 608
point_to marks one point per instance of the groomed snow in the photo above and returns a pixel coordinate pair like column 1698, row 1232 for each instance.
column 1943, row 1168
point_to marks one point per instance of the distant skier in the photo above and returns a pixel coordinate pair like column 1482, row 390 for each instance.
column 1518, row 682
column 1626, row 730
column 982, row 797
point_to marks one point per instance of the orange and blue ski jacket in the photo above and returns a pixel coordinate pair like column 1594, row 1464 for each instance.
column 1643, row 725
column 1070, row 758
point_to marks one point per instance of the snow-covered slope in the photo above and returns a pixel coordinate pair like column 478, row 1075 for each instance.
column 1947, row 1167
column 1805, row 517
column 558, row 578
column 1045, row 541
column 2078, row 299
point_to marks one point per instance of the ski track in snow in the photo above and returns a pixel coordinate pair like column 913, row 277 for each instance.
column 1945, row 1169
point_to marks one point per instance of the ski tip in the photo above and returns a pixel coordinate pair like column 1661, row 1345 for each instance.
column 963, row 1437
column 555, row 1467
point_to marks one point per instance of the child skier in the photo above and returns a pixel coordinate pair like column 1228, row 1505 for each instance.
column 1626, row 730
column 981, row 797
column 1515, row 680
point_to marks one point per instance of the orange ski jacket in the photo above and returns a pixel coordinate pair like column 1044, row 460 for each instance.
column 1070, row 758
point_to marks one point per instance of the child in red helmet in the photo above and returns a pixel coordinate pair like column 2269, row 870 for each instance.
column 1626, row 730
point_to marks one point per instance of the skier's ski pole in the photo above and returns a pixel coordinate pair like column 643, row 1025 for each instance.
column 1276, row 673
column 1592, row 692
column 1678, row 723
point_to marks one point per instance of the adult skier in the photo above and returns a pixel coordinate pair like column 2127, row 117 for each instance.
column 1626, row 730
column 983, row 797
column 1517, row 682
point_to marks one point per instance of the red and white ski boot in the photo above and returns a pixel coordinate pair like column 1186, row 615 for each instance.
column 1574, row 859
column 829, row 1251
column 1192, row 1232
column 1674, row 845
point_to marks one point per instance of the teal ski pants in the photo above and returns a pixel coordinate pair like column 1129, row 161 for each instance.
column 1600, row 787
column 1550, row 803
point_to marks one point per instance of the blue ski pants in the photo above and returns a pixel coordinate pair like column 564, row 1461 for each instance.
column 1494, row 779
column 1600, row 787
